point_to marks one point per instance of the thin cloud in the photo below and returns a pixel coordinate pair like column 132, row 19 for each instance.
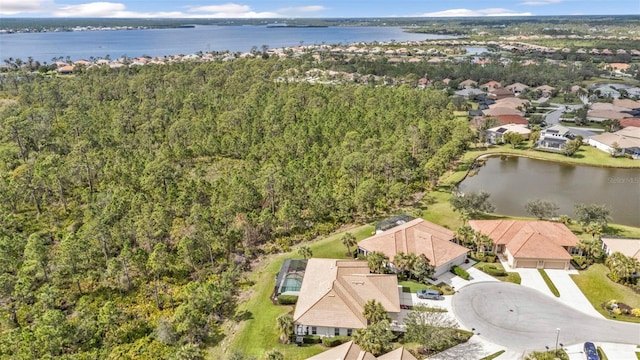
column 13, row 7
column 475, row 13
column 119, row 10
column 540, row 2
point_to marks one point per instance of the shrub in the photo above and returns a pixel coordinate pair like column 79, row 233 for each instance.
column 433, row 287
column 311, row 339
column 617, row 311
column 490, row 258
column 460, row 272
column 493, row 271
column 335, row 341
column 287, row 299
column 635, row 312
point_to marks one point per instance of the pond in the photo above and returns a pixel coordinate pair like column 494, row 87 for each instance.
column 512, row 181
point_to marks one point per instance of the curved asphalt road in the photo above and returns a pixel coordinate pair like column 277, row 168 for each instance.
column 522, row 319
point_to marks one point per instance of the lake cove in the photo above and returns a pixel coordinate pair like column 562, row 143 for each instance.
column 512, row 181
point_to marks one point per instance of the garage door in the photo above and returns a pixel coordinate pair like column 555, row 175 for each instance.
column 527, row 264
column 554, row 264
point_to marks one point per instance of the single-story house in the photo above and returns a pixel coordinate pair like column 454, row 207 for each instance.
column 627, row 247
column 498, row 94
column 491, row 85
column 333, row 295
column 512, row 119
column 391, row 222
column 496, row 134
column 554, row 137
column 606, row 91
column 65, row 69
column 418, row 237
column 627, row 140
column 626, row 103
column 517, row 88
column 467, row 84
column 289, row 278
column 351, row 351
column 530, row 244
column 545, row 90
column 468, row 93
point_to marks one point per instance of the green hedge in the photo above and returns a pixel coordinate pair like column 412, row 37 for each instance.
column 494, row 271
column 460, row 272
column 311, row 339
column 287, row 299
column 335, row 341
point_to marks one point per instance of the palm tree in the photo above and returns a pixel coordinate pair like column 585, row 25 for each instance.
column 590, row 248
column 481, row 241
column 621, row 267
column 404, row 263
column 377, row 262
column 348, row 240
column 305, row 251
column 464, row 234
column 374, row 312
column 285, row 325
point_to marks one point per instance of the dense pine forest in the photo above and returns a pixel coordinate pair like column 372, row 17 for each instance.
column 134, row 200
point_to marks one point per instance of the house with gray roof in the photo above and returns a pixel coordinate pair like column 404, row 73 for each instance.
column 554, row 138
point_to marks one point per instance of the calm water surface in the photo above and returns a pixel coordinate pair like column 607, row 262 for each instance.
column 512, row 181
column 160, row 42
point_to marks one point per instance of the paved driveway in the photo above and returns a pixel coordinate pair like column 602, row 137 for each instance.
column 570, row 293
column 523, row 319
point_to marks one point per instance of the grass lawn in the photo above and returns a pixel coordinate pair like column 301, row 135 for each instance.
column 595, row 285
column 550, row 284
column 438, row 210
column 412, row 286
column 257, row 332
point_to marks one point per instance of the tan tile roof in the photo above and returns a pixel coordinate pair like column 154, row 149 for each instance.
column 418, row 237
column 529, row 239
column 497, row 111
column 398, row 354
column 626, row 103
column 333, row 293
column 346, row 351
column 628, row 247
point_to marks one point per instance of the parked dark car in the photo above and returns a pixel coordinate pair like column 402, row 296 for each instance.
column 590, row 351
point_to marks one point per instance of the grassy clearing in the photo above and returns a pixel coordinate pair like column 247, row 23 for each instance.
column 598, row 289
column 257, row 332
column 550, row 284
column 436, row 208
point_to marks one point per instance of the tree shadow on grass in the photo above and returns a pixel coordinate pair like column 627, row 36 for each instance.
column 243, row 315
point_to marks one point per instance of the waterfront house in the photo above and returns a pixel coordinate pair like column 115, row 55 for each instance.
column 554, row 138
column 418, row 237
column 625, row 141
column 496, row 134
column 530, row 244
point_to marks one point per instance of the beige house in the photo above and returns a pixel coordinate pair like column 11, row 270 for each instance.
column 625, row 141
column 496, row 134
column 418, row 237
column 351, row 351
column 333, row 294
column 627, row 247
column 530, row 244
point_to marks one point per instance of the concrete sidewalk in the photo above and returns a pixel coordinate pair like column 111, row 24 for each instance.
column 570, row 293
column 531, row 278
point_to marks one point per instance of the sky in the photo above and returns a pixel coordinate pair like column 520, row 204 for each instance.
column 311, row 8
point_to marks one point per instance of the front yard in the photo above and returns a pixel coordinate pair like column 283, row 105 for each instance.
column 257, row 332
column 598, row 289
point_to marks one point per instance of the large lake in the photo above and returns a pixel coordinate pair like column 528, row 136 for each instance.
column 512, row 181
column 159, row 42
